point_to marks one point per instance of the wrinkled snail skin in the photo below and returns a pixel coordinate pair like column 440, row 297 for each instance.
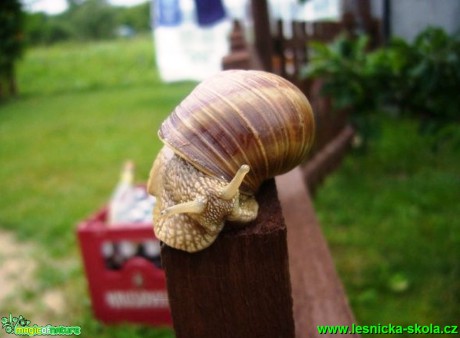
column 176, row 183
column 231, row 133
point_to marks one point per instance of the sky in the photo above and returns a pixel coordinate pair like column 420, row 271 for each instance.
column 58, row 6
column 311, row 10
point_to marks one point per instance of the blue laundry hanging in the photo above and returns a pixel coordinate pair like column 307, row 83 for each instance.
column 167, row 13
column 209, row 11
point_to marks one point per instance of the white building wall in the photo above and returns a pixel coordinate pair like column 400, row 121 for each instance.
column 409, row 17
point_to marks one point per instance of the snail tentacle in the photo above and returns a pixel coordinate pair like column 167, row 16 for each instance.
column 230, row 190
column 191, row 207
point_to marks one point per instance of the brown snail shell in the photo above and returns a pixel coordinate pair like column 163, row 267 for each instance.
column 242, row 117
column 233, row 131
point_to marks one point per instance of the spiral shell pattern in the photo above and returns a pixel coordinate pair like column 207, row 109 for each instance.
column 242, row 117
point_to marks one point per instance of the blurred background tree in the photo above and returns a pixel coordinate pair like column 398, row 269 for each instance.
column 137, row 17
column 91, row 20
column 86, row 20
column 11, row 43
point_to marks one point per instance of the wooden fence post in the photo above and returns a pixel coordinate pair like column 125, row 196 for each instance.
column 239, row 286
column 263, row 40
column 239, row 56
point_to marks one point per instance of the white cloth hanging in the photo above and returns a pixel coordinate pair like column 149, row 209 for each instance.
column 184, row 49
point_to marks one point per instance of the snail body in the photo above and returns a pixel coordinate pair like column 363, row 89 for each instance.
column 233, row 131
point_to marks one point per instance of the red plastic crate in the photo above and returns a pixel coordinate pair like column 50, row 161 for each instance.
column 134, row 291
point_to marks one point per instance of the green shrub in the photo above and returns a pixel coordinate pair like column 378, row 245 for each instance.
column 340, row 64
column 420, row 79
column 434, row 78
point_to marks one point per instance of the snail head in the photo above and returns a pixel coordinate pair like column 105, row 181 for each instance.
column 192, row 207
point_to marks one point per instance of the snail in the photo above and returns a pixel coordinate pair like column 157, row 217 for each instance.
column 232, row 132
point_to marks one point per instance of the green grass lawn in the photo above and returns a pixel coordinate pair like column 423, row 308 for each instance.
column 63, row 147
column 390, row 216
column 83, row 110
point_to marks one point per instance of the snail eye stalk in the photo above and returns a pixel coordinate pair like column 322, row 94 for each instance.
column 230, row 191
column 193, row 207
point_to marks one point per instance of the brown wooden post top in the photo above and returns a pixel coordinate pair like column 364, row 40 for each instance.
column 239, row 286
